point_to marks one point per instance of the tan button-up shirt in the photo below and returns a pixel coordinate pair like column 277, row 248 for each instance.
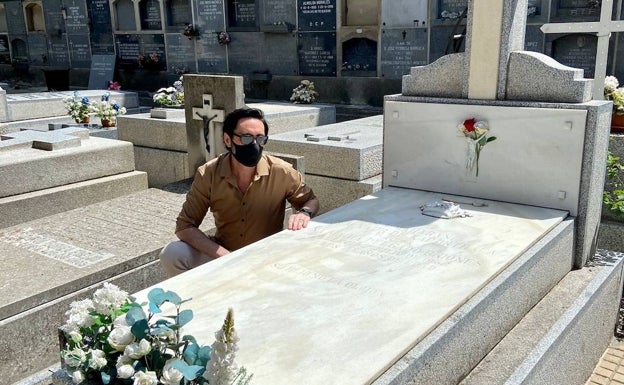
column 243, row 219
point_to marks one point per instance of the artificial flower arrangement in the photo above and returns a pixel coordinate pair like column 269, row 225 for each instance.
column 79, row 107
column 113, row 86
column 615, row 94
column 304, row 93
column 150, row 61
column 111, row 340
column 223, row 38
column 190, row 31
column 108, row 110
column 476, row 134
column 170, row 96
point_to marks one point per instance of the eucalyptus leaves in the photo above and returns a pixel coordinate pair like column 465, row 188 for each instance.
column 112, row 340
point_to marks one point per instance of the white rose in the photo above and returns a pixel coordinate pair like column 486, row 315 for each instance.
column 137, row 350
column 98, row 359
column 611, row 83
column 145, row 378
column 125, row 371
column 171, row 375
column 120, row 337
column 121, row 321
column 78, row 376
column 74, row 358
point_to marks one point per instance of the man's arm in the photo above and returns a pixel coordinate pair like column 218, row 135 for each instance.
column 196, row 238
column 299, row 219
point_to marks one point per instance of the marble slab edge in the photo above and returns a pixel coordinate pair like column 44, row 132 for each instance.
column 454, row 347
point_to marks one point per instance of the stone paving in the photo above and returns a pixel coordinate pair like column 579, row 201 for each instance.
column 610, row 368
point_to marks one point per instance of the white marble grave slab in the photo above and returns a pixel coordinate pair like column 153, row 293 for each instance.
column 341, row 301
column 535, row 160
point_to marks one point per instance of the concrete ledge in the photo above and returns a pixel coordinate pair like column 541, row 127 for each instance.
column 162, row 166
column 333, row 193
column 355, row 155
column 38, row 204
column 49, row 104
column 284, row 117
column 578, row 315
column 457, row 345
column 144, row 131
column 94, row 158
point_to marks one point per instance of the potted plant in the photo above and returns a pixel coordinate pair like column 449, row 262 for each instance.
column 108, row 110
column 79, row 108
column 616, row 95
column 170, row 96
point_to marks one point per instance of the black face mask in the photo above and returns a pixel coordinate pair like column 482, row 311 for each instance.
column 248, row 155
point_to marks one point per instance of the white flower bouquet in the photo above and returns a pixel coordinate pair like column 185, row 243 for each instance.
column 111, row 340
column 615, row 94
column 304, row 93
column 78, row 107
column 108, row 109
column 170, row 96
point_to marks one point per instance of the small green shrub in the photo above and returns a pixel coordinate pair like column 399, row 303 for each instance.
column 613, row 197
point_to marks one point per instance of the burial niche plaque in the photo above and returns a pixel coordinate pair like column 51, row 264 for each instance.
column 210, row 14
column 102, row 70
column 317, row 54
column 150, row 14
column 317, row 15
column 242, row 15
column 577, row 51
column 402, row 49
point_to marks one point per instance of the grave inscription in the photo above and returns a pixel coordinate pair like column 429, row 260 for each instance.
column 317, row 54
column 317, row 15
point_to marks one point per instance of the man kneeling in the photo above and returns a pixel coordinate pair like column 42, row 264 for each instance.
column 246, row 193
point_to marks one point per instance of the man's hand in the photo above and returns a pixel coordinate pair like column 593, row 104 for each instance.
column 298, row 221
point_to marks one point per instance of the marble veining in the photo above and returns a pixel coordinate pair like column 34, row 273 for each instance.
column 342, row 300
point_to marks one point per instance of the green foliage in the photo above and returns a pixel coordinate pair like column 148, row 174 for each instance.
column 613, row 198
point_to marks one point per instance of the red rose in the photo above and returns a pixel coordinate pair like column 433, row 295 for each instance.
column 469, row 124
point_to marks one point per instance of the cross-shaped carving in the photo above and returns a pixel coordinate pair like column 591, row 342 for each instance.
column 209, row 116
column 44, row 140
column 602, row 29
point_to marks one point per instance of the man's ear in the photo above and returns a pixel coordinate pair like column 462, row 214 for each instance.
column 227, row 140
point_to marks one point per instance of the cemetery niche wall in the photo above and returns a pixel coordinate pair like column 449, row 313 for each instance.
column 360, row 48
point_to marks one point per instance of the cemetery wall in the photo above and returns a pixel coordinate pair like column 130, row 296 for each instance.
column 352, row 49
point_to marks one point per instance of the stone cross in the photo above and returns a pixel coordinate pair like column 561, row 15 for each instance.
column 495, row 28
column 226, row 95
column 44, row 140
column 602, row 29
column 209, row 116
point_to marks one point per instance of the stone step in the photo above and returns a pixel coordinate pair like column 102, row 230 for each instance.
column 26, row 207
column 562, row 338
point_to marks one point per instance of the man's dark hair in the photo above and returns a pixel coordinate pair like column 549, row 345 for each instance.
column 231, row 120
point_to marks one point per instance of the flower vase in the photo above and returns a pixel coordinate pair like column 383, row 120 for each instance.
column 109, row 122
column 617, row 123
column 84, row 120
column 472, row 160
